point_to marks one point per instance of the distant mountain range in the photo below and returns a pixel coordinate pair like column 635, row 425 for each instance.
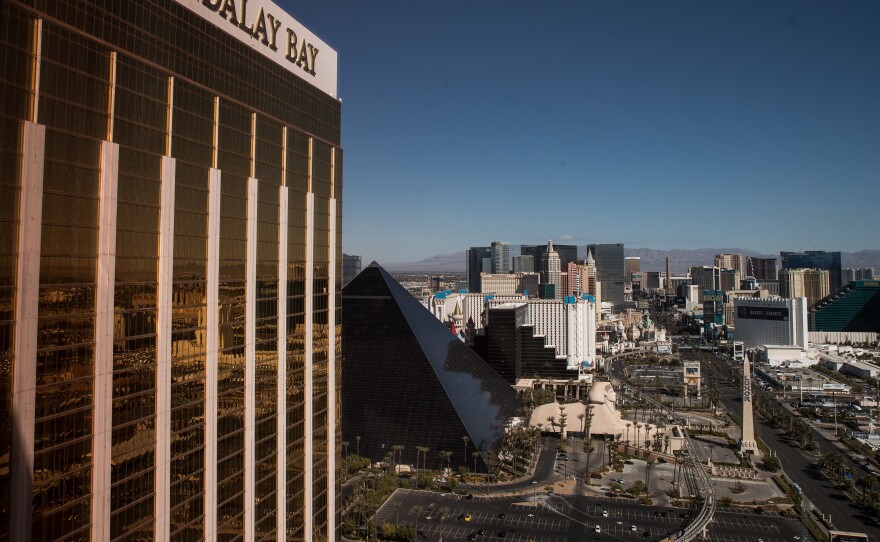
column 652, row 260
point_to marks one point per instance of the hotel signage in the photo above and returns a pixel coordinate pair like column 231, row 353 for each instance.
column 268, row 29
column 762, row 313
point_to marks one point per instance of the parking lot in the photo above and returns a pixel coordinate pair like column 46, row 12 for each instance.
column 545, row 518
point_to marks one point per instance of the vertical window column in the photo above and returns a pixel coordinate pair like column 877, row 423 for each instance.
column 331, row 353
column 105, row 315
column 104, row 319
column 331, row 373
column 212, row 339
column 250, row 356
column 27, row 283
column 308, row 410
column 281, row 437
column 163, row 326
column 163, row 342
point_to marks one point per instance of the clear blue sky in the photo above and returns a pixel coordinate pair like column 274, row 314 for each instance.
column 655, row 124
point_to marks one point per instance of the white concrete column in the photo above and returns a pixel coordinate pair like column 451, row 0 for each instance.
column 331, row 374
column 163, row 347
column 250, row 293
column 212, row 341
column 102, row 429
column 309, row 399
column 24, row 370
column 281, row 431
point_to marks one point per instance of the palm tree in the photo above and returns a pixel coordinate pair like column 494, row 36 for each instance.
column 445, row 454
column 833, row 463
column 862, row 482
column 475, row 455
column 649, row 462
column 358, row 439
column 397, row 450
column 638, row 430
column 647, row 436
column 465, row 439
column 581, row 417
column 421, row 450
column 345, row 449
column 563, row 419
column 627, row 432
column 588, row 442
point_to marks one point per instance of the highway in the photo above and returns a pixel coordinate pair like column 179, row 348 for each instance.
column 799, row 465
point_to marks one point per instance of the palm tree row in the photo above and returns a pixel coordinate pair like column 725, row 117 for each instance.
column 836, row 468
column 796, row 428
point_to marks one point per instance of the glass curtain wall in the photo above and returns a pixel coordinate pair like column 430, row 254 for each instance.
column 298, row 185
column 192, row 149
column 268, row 166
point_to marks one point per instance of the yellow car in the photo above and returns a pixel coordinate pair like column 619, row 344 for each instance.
column 467, row 517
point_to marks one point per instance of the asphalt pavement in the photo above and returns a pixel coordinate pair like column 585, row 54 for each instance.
column 801, row 467
column 542, row 518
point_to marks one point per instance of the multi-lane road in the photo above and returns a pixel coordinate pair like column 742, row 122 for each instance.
column 799, row 465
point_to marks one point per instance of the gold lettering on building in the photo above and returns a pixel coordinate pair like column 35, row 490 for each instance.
column 264, row 27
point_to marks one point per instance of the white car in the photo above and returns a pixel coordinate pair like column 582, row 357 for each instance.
column 604, row 513
column 597, row 529
column 633, row 528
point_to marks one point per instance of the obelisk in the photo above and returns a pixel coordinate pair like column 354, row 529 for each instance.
column 747, row 445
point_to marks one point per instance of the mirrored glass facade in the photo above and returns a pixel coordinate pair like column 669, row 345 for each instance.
column 170, row 281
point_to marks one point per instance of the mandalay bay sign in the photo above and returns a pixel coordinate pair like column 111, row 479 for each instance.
column 264, row 26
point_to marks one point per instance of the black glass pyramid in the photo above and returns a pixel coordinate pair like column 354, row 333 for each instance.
column 406, row 380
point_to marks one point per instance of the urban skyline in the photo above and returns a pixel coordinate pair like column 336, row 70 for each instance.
column 190, row 349
column 639, row 117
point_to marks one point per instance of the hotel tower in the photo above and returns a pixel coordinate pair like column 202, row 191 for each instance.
column 170, row 265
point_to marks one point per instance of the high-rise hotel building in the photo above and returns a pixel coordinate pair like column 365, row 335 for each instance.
column 170, row 226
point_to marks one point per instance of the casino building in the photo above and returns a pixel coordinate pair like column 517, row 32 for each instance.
column 761, row 321
column 170, row 265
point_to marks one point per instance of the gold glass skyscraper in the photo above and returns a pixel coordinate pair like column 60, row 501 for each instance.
column 170, row 264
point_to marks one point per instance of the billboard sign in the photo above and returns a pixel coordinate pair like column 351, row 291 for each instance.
column 692, row 372
column 843, row 536
column 762, row 313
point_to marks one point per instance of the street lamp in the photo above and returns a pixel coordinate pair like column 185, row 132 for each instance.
column 534, row 490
